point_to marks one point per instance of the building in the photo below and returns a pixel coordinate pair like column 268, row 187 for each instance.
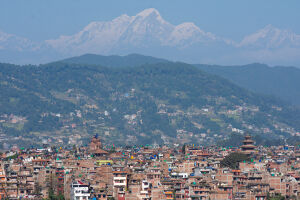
column 79, row 191
column 96, row 147
column 95, row 144
column 248, row 146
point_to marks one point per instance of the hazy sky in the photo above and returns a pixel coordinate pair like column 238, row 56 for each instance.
column 46, row 19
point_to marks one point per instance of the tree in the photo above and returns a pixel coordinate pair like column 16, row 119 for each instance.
column 183, row 148
column 52, row 185
column 232, row 160
column 275, row 197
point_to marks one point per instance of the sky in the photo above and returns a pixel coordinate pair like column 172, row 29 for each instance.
column 43, row 19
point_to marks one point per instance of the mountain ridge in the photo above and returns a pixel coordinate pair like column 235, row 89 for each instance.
column 130, row 60
column 148, row 33
column 283, row 82
column 162, row 102
column 256, row 77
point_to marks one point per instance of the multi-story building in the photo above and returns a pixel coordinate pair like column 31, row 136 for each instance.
column 79, row 191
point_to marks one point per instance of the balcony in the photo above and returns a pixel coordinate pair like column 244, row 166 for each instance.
column 119, row 178
column 123, row 184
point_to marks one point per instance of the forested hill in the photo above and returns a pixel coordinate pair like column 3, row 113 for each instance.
column 164, row 103
column 283, row 82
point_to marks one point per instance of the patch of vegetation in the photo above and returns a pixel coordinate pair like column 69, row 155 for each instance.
column 67, row 98
column 276, row 197
column 232, row 160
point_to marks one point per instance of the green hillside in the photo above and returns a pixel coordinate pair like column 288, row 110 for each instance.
column 164, row 103
column 283, row 82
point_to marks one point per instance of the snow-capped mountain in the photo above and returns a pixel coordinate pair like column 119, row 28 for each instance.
column 271, row 37
column 187, row 34
column 95, row 37
column 146, row 29
column 13, row 42
column 148, row 33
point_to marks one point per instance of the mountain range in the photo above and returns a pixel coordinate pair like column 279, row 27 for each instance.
column 148, row 33
column 281, row 82
column 146, row 100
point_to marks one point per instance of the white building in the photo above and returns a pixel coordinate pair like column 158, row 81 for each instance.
column 79, row 191
column 120, row 184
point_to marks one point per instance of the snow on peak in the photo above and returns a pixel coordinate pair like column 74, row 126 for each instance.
column 147, row 12
column 188, row 25
column 269, row 27
column 123, row 18
column 187, row 34
column 145, row 29
column 189, row 28
column 270, row 37
column 150, row 14
column 14, row 42
column 185, row 30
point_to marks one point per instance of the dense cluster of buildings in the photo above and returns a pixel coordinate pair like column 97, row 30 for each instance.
column 150, row 172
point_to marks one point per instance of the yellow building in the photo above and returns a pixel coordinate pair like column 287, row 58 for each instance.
column 104, row 162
